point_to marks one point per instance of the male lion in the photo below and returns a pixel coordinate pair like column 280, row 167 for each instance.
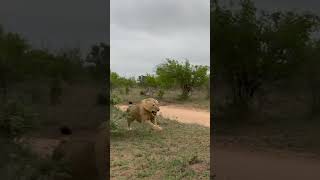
column 144, row 111
column 86, row 157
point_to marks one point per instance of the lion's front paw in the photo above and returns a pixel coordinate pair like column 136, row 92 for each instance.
column 157, row 128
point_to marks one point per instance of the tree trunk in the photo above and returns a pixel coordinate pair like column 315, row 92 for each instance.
column 244, row 89
column 186, row 90
column 315, row 100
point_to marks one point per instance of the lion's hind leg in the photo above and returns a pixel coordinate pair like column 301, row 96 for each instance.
column 129, row 121
column 130, row 117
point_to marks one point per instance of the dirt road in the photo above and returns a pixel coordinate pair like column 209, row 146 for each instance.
column 244, row 164
column 184, row 115
column 235, row 164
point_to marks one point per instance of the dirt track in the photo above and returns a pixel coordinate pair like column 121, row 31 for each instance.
column 244, row 164
column 184, row 115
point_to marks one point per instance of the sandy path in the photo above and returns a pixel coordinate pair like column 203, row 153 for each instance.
column 184, row 115
column 245, row 165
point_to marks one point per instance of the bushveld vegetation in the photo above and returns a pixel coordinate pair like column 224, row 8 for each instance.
column 265, row 73
column 173, row 82
column 181, row 151
column 35, row 86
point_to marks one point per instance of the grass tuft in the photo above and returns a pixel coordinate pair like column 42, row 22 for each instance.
column 180, row 151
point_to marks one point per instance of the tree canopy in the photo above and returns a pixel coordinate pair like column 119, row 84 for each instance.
column 184, row 75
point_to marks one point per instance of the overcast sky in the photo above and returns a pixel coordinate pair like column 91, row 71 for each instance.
column 57, row 23
column 145, row 32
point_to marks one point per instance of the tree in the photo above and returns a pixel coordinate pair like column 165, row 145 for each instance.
column 249, row 51
column 310, row 75
column 12, row 52
column 100, row 56
column 114, row 80
column 185, row 75
column 117, row 81
column 73, row 62
column 149, row 83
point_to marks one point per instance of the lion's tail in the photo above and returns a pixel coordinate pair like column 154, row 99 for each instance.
column 130, row 102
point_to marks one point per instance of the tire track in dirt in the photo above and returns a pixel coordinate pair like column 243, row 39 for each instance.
column 181, row 114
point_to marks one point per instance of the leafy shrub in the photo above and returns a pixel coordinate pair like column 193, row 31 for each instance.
column 127, row 90
column 16, row 119
column 160, row 94
column 114, row 99
column 116, row 116
column 114, row 125
column 116, row 81
column 182, row 74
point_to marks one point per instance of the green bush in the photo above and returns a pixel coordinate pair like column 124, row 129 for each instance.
column 114, row 99
column 160, row 94
column 182, row 74
column 116, row 116
column 127, row 90
column 16, row 119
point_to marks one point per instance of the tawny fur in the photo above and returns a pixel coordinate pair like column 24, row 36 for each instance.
column 144, row 112
column 87, row 157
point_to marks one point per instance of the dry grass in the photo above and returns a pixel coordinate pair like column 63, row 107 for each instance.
column 180, row 151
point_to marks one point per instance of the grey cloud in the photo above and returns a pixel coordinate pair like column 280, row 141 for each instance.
column 160, row 17
column 144, row 33
column 57, row 23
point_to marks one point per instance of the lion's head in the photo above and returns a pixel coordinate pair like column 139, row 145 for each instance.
column 151, row 105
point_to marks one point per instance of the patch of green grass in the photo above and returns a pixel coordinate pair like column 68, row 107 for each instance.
column 180, row 151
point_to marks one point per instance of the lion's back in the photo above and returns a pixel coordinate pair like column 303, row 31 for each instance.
column 134, row 112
